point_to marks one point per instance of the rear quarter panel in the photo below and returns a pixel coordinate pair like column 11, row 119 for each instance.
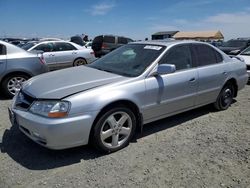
column 239, row 72
column 86, row 54
column 29, row 64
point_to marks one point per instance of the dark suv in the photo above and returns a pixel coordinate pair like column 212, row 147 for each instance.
column 104, row 44
column 235, row 46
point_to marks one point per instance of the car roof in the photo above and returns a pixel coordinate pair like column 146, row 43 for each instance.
column 57, row 41
column 240, row 39
column 110, row 35
column 168, row 42
column 12, row 48
column 53, row 41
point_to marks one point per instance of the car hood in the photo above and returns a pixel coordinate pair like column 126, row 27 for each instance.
column 62, row 83
column 246, row 59
column 229, row 49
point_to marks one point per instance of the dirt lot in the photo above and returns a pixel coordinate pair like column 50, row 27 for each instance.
column 200, row 148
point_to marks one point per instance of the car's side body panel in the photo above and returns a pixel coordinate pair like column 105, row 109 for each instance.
column 211, row 80
column 170, row 93
column 3, row 60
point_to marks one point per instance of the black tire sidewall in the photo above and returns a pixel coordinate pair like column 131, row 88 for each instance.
column 96, row 139
column 218, row 104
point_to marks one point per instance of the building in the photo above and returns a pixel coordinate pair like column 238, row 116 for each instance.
column 163, row 35
column 199, row 35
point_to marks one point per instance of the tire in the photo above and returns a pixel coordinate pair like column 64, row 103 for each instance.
column 225, row 98
column 110, row 136
column 11, row 84
column 79, row 62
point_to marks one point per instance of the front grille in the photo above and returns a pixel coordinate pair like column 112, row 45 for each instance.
column 24, row 101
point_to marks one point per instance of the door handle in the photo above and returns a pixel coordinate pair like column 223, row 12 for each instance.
column 192, row 80
column 51, row 54
column 225, row 73
column 1, row 62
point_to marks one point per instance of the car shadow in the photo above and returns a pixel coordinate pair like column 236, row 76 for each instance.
column 2, row 97
column 35, row 157
column 173, row 121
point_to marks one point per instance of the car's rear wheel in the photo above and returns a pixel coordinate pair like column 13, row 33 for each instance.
column 114, row 129
column 13, row 84
column 225, row 97
column 79, row 62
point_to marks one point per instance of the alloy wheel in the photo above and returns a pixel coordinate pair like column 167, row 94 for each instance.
column 116, row 129
column 15, row 84
column 80, row 62
column 227, row 97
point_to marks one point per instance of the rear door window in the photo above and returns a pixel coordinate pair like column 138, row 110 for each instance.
column 62, row 46
column 109, row 39
column 206, row 55
column 129, row 40
column 219, row 57
column 2, row 50
column 180, row 56
column 122, row 40
column 47, row 47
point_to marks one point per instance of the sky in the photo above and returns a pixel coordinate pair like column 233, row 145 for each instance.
column 136, row 19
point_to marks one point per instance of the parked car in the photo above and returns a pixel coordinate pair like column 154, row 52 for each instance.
column 88, row 44
column 77, row 40
column 235, row 46
column 245, row 55
column 17, row 66
column 62, row 54
column 138, row 83
column 49, row 39
column 104, row 44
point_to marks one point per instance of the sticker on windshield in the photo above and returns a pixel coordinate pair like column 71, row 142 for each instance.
column 150, row 47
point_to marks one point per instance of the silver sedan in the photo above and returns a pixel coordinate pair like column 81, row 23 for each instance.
column 62, row 54
column 138, row 83
column 17, row 66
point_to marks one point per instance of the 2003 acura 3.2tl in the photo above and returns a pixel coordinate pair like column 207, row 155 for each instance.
column 138, row 83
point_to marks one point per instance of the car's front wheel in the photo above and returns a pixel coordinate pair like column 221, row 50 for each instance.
column 114, row 129
column 13, row 83
column 225, row 98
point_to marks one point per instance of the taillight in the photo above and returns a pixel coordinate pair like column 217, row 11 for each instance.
column 42, row 60
column 104, row 46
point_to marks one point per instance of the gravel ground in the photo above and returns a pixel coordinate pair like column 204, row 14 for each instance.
column 200, row 148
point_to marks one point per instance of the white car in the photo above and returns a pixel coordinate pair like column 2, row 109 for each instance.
column 88, row 44
column 62, row 54
column 246, row 56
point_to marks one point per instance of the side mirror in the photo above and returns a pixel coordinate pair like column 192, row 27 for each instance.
column 164, row 69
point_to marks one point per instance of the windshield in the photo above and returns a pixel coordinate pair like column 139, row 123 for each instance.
column 246, row 52
column 129, row 60
column 28, row 45
column 234, row 43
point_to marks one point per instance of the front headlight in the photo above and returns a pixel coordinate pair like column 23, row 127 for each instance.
column 53, row 109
